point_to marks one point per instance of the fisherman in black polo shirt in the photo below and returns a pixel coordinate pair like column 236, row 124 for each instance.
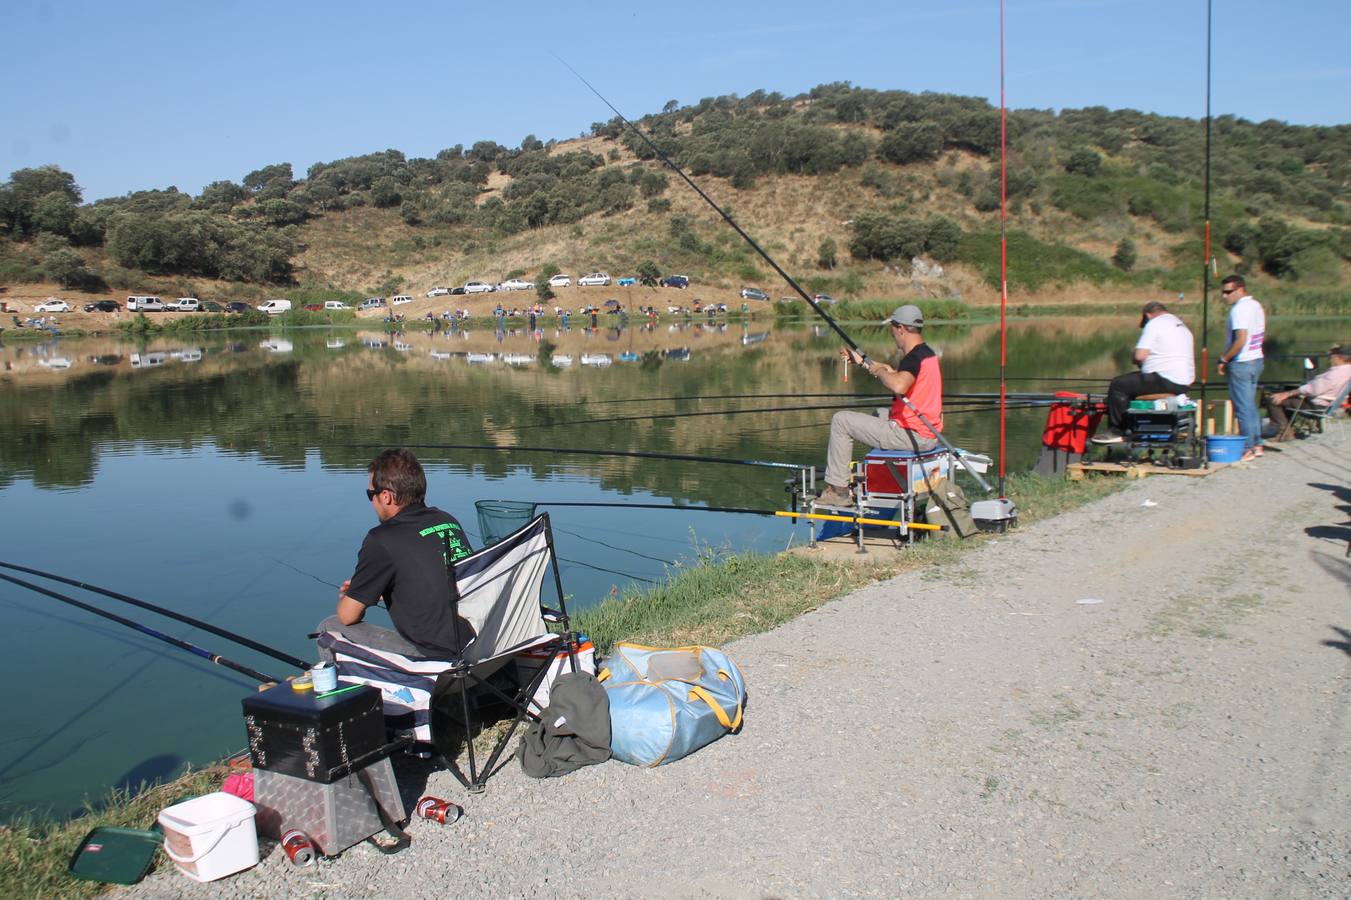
column 403, row 562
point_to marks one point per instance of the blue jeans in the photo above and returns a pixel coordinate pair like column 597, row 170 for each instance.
column 1243, row 392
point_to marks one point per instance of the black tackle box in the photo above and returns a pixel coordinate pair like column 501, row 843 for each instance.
column 317, row 738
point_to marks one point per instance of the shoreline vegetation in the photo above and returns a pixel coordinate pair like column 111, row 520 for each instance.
column 850, row 312
column 719, row 599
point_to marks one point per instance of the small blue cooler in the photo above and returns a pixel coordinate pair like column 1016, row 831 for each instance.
column 1225, row 448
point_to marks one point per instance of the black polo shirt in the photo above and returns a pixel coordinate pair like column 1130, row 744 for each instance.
column 402, row 561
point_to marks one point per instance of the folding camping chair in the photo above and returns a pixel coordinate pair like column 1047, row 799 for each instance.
column 1320, row 414
column 497, row 591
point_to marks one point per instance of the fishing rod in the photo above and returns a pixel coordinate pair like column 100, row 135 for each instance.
column 1206, row 264
column 848, row 341
column 637, row 454
column 650, row 417
column 216, row 658
column 187, row 620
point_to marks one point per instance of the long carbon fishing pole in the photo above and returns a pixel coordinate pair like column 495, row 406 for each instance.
column 792, row 282
column 144, row 629
column 637, row 454
column 652, row 417
column 1206, row 265
column 169, row 613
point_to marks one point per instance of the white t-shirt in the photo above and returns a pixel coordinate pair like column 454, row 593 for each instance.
column 1169, row 342
column 1247, row 315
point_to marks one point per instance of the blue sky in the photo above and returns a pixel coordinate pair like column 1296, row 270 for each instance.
column 134, row 95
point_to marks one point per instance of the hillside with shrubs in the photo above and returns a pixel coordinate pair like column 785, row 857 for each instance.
column 846, row 187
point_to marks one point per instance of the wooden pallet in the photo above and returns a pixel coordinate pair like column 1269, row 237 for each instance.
column 1076, row 471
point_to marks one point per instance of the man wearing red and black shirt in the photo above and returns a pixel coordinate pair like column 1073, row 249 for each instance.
column 916, row 378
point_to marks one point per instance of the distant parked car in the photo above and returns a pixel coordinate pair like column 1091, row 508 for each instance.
column 560, row 280
column 275, row 307
column 372, row 303
column 676, row 281
column 212, row 306
column 439, row 292
column 144, row 303
column 595, row 279
column 627, row 282
column 314, row 307
column 478, row 287
column 750, row 293
column 401, row 299
column 456, row 291
column 823, row 298
column 103, row 306
column 52, row 306
column 237, row 306
column 335, row 304
column 516, row 284
column 184, row 304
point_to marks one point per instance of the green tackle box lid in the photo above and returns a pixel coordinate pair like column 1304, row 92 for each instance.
column 115, row 855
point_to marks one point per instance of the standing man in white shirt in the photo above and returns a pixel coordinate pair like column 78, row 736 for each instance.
column 1242, row 360
column 1165, row 354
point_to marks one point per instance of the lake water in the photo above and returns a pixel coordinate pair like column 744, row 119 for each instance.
column 224, row 476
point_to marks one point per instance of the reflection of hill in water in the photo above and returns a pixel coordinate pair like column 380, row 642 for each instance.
column 327, row 391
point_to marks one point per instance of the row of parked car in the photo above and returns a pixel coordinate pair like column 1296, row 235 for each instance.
column 594, row 279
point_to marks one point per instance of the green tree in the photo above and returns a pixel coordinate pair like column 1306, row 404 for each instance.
column 1083, row 162
column 385, row 192
column 942, row 239
column 911, row 142
column 54, row 213
column 1124, row 257
column 649, row 273
column 67, row 268
column 827, row 254
column 410, row 213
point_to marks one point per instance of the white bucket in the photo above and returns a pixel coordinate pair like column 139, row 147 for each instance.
column 211, row 836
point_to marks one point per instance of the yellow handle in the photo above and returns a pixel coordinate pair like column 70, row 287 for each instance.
column 704, row 695
column 604, row 674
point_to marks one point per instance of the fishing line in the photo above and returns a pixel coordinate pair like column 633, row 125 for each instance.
column 575, row 562
column 668, row 562
column 144, row 629
column 282, row 562
column 169, row 613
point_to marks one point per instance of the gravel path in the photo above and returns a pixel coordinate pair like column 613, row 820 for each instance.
column 980, row 731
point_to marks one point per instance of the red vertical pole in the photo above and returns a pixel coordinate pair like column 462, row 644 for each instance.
column 1003, row 254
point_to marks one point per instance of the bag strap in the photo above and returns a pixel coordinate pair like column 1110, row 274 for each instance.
column 604, row 675
column 702, row 693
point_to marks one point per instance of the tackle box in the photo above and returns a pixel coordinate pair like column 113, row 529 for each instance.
column 314, row 737
column 333, row 816
column 897, row 473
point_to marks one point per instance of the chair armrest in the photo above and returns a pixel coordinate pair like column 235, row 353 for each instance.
column 552, row 616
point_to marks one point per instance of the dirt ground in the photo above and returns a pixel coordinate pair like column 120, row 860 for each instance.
column 1147, row 697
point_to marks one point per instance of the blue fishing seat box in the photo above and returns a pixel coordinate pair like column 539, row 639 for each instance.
column 316, row 738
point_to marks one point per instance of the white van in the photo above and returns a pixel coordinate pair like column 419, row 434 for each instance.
column 401, row 299
column 275, row 307
column 335, row 304
column 141, row 303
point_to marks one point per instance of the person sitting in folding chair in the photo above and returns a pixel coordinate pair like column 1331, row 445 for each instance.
column 1319, row 393
column 402, row 561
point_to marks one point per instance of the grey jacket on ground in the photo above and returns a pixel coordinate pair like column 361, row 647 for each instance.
column 573, row 731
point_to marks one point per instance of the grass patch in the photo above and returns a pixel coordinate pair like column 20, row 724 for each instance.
column 1035, row 264
column 34, row 851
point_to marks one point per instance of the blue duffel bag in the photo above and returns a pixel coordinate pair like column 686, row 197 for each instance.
column 665, row 703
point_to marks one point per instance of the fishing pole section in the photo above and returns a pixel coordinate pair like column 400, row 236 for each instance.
column 216, row 658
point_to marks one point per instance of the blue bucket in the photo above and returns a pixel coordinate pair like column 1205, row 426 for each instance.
column 1226, row 448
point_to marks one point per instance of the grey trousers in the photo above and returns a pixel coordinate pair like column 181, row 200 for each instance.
column 368, row 635
column 848, row 426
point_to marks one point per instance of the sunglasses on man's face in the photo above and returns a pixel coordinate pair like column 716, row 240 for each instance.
column 371, row 492
column 1229, row 291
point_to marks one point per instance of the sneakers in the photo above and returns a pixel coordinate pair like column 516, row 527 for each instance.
column 835, row 496
column 1110, row 436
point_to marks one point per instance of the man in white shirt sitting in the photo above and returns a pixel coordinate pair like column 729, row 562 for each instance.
column 1165, row 355
column 1323, row 390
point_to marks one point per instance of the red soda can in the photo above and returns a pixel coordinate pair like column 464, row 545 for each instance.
column 298, row 848
column 441, row 811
